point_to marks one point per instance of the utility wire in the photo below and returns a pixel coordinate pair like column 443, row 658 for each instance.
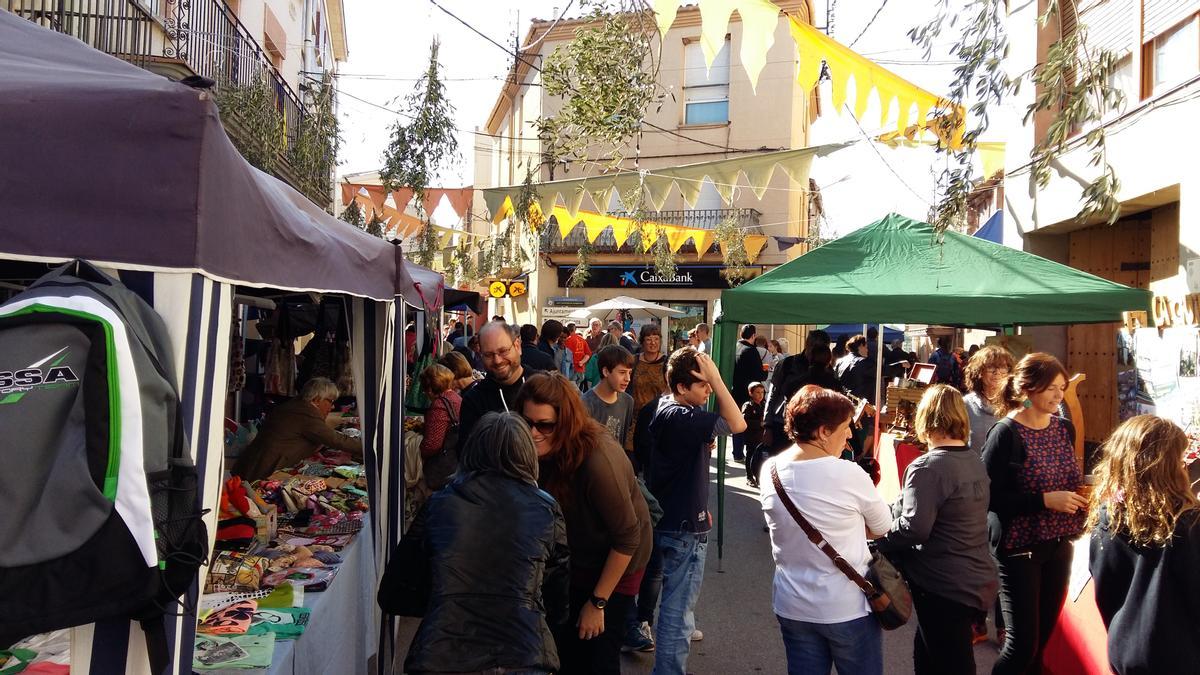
column 878, row 154
column 483, row 35
column 868, row 26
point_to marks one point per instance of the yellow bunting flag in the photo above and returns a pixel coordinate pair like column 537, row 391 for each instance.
column 595, row 224
column 813, row 46
column 664, row 14
column 703, row 240
column 566, row 223
column 676, row 236
column 754, row 245
column 620, row 228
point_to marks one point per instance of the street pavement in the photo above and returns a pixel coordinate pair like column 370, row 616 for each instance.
column 741, row 634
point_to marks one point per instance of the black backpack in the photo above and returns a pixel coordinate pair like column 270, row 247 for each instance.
column 441, row 467
column 102, row 519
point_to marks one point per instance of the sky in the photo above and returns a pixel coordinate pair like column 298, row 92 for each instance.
column 389, row 42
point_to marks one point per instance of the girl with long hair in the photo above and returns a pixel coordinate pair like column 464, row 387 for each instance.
column 1145, row 549
column 608, row 522
column 1034, row 511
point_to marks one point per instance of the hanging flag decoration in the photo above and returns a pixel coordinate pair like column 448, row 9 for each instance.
column 784, row 243
column 755, row 170
column 813, row 46
column 703, row 240
column 459, row 198
column 676, row 236
column 754, row 245
column 990, row 154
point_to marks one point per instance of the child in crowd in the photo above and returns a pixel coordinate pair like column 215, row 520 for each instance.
column 752, row 413
column 607, row 402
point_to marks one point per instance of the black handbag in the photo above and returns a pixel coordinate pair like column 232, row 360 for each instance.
column 887, row 592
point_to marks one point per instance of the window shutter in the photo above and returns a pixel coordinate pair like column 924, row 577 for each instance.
column 1161, row 15
column 1109, row 26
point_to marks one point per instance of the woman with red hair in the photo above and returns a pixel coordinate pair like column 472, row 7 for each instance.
column 608, row 522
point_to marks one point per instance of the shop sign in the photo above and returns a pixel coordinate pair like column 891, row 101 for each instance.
column 640, row 276
column 1167, row 312
column 559, row 313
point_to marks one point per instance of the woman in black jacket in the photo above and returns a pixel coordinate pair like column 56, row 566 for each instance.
column 1145, row 549
column 485, row 562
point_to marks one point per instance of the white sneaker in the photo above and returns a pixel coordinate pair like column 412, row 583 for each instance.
column 697, row 635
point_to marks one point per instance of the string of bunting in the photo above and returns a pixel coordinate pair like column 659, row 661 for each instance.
column 595, row 224
column 759, row 21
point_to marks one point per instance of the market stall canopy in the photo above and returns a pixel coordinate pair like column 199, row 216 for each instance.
column 112, row 163
column 895, row 270
column 456, row 300
column 626, row 303
column 420, row 287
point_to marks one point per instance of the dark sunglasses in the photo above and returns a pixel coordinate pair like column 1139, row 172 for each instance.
column 543, row 428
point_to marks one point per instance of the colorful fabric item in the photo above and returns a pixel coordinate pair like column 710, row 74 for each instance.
column 1049, row 466
column 232, row 620
column 284, row 595
column 233, row 571
column 287, row 623
column 14, row 661
column 314, row 579
column 212, row 602
column 240, row 651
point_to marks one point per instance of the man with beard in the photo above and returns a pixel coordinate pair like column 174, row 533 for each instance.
column 500, row 346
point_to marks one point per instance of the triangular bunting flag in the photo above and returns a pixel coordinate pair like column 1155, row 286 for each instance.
column 402, row 197
column 664, row 14
column 754, row 245
column 460, row 200
column 595, row 224
column 676, row 236
column 703, row 240
column 433, row 197
column 565, row 225
column 348, row 192
column 377, row 194
column 620, row 229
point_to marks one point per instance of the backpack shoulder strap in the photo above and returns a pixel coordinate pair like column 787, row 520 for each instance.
column 449, row 410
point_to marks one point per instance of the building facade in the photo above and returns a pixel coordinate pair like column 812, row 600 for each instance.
column 288, row 44
column 1149, row 364
column 709, row 114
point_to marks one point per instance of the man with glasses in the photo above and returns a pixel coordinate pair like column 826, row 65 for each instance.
column 294, row 430
column 500, row 347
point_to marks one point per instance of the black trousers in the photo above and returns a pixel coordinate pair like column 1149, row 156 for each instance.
column 1033, row 587
column 602, row 654
column 942, row 645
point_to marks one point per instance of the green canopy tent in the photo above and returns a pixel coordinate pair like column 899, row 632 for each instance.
column 897, row 270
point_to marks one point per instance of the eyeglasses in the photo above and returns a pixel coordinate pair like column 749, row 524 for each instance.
column 499, row 353
column 996, row 371
column 545, row 427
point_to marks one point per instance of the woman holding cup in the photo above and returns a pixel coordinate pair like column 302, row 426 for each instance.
column 1035, row 510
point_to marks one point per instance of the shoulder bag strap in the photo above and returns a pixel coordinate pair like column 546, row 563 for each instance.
column 815, row 537
column 449, row 410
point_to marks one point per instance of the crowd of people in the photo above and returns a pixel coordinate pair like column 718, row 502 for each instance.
column 576, row 522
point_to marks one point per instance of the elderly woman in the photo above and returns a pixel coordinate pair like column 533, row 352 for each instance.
column 485, row 563
column 941, row 525
column 294, row 430
column 824, row 617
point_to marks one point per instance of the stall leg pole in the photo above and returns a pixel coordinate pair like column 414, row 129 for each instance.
column 879, row 387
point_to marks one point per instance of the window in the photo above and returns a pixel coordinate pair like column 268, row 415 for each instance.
column 705, row 90
column 1174, row 56
column 1122, row 78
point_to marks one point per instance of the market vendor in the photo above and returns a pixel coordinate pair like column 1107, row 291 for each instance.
column 293, row 431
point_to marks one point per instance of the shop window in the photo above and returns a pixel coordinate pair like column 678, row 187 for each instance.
column 693, row 313
column 1171, row 58
column 705, row 90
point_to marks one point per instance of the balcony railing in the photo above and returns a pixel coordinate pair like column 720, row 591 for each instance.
column 704, row 219
column 204, row 35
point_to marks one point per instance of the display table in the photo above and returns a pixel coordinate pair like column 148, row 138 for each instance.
column 340, row 637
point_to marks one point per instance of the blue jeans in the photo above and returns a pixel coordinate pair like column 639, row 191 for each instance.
column 855, row 646
column 683, row 556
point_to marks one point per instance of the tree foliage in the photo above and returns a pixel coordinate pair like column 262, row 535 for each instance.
column 251, row 107
column 314, row 153
column 607, row 78
column 1072, row 81
column 353, row 214
column 422, row 146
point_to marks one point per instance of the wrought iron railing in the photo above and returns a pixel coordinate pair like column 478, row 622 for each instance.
column 203, row 34
column 747, row 220
column 123, row 28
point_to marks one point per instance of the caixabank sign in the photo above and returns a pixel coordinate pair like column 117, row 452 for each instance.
column 641, row 276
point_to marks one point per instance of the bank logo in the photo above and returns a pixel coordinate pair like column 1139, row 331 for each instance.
column 44, row 373
column 629, row 279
